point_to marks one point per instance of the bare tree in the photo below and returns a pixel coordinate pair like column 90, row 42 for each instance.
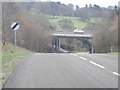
column 106, row 35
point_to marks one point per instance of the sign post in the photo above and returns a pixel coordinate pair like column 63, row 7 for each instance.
column 15, row 39
column 15, row 26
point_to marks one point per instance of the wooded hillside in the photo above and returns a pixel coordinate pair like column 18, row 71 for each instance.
column 34, row 19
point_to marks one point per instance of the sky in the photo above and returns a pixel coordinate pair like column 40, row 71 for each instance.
column 82, row 3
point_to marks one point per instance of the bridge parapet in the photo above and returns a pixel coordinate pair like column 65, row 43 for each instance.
column 73, row 35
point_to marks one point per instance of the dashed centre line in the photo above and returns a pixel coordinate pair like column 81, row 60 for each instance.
column 97, row 64
column 75, row 55
column 115, row 73
column 83, row 58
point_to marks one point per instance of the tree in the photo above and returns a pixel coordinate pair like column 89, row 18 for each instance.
column 77, row 7
column 86, row 6
column 106, row 35
column 90, row 5
column 83, row 13
column 33, row 27
column 8, row 12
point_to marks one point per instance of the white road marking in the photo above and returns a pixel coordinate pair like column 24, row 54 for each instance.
column 97, row 64
column 83, row 58
column 115, row 73
column 71, row 53
column 75, row 55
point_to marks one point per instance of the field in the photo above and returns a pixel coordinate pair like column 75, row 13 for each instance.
column 76, row 21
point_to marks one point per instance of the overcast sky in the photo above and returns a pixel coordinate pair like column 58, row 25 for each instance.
column 82, row 3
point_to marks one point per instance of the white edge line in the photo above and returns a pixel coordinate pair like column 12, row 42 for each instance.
column 75, row 55
column 97, row 64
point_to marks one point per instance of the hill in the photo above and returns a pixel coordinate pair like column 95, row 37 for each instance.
column 77, row 22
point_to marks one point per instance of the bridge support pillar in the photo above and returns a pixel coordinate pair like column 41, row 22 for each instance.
column 58, row 43
column 92, row 49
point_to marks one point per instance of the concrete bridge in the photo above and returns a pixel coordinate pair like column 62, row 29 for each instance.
column 58, row 36
column 81, row 36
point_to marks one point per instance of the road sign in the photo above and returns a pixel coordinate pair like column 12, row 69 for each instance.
column 15, row 26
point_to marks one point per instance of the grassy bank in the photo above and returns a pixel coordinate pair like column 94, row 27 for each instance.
column 11, row 57
column 76, row 21
column 114, row 53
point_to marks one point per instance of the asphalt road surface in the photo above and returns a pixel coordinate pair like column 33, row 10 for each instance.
column 72, row 70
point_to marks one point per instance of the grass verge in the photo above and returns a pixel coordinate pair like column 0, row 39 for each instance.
column 11, row 57
column 114, row 53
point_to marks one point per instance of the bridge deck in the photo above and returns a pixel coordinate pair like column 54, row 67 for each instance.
column 72, row 35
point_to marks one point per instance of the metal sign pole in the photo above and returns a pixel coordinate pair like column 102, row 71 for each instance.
column 15, row 27
column 15, row 38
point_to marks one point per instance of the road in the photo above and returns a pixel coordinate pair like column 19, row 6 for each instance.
column 70, row 70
